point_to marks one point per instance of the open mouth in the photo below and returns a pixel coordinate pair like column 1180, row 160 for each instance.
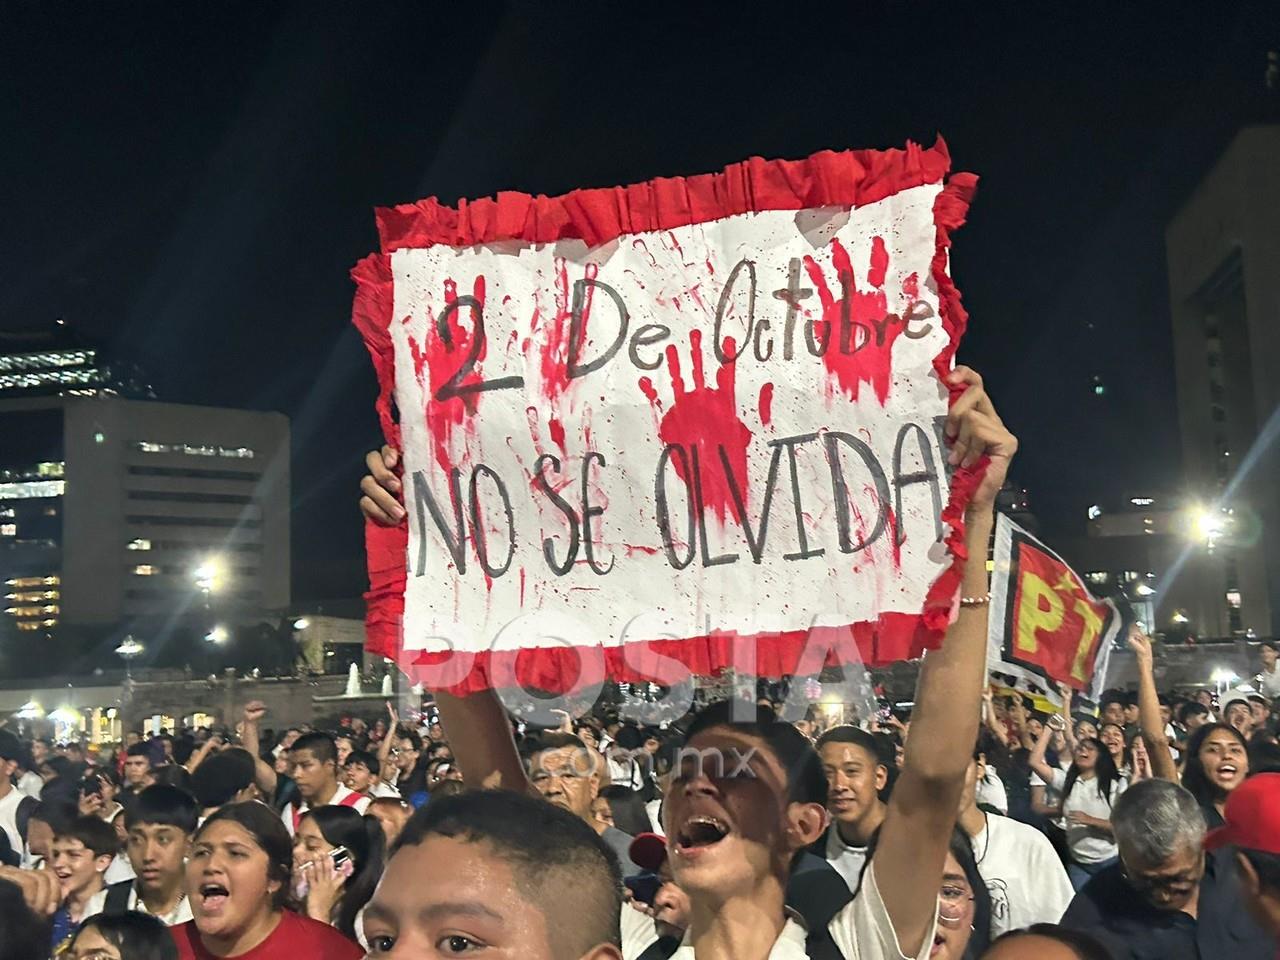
column 1227, row 771
column 213, row 897
column 701, row 832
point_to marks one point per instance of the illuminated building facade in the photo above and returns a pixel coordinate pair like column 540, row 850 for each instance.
column 122, row 515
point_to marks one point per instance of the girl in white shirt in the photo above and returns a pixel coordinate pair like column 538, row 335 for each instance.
column 1089, row 787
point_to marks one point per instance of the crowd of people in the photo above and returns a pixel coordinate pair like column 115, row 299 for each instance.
column 973, row 826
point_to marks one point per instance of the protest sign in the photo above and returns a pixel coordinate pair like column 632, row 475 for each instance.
column 689, row 423
column 1045, row 627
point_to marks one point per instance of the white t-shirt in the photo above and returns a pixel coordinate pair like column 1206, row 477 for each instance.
column 1051, row 796
column 861, row 931
column 31, row 784
column 1023, row 874
column 384, row 789
column 9, row 816
column 1088, row 845
column 991, row 792
column 846, row 858
column 359, row 806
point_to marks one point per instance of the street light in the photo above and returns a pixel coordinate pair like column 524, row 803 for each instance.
column 1180, row 617
column 128, row 649
column 301, row 623
column 218, row 635
column 209, row 574
column 1143, row 590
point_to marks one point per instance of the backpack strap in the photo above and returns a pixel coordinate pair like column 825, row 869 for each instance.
column 117, row 902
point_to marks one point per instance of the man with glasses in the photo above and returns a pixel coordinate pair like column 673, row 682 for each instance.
column 1166, row 898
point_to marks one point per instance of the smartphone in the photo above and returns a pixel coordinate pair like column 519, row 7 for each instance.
column 644, row 887
column 341, row 858
column 91, row 785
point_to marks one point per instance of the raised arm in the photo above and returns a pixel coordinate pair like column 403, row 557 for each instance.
column 1037, row 761
column 1068, row 728
column 480, row 736
column 998, row 729
column 212, row 743
column 393, row 731
column 264, row 775
column 913, row 844
column 1149, row 719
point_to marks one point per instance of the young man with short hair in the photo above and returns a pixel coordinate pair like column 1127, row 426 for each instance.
column 137, row 769
column 80, row 854
column 1111, row 707
column 362, row 773
column 501, row 873
column 160, row 823
column 856, row 779
column 314, row 762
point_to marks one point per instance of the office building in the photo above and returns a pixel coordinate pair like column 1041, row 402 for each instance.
column 1224, row 289
column 123, row 515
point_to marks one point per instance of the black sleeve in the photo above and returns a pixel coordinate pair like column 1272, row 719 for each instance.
column 1083, row 913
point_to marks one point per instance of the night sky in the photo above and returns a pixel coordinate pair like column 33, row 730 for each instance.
column 190, row 182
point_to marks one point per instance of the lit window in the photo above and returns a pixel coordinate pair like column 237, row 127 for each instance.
column 1097, row 576
column 32, row 489
column 1095, row 512
column 138, row 543
column 145, row 570
column 1130, row 576
column 8, row 529
column 21, row 582
column 1233, row 599
column 1142, row 501
column 6, row 512
column 196, row 450
column 28, row 625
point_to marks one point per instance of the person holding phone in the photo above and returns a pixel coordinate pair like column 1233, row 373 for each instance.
column 337, row 861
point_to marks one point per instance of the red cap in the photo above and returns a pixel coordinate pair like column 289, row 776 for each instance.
column 1252, row 816
column 648, row 851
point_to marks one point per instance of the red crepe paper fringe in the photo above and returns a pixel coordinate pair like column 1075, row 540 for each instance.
column 597, row 216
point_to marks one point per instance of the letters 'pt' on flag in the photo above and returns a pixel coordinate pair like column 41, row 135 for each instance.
column 1045, row 627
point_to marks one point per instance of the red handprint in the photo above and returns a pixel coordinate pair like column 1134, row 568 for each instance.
column 859, row 329
column 704, row 421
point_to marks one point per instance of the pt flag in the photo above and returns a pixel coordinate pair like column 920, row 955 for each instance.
column 1045, row 626
column 673, row 427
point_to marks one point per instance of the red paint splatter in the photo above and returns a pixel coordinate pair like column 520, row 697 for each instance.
column 860, row 330
column 891, row 531
column 704, row 419
column 879, row 262
column 557, row 433
column 555, row 346
column 438, row 364
column 766, row 404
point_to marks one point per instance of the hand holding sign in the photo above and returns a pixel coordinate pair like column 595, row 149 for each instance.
column 624, row 413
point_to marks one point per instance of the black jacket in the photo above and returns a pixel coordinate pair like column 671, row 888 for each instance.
column 1115, row 913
